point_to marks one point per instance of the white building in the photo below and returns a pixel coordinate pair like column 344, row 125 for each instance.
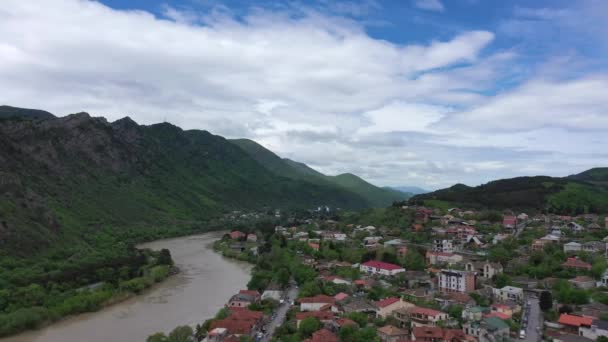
column 509, row 293
column 572, row 247
column 444, row 246
column 380, row 268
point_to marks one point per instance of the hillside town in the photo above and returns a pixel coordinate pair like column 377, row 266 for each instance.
column 453, row 275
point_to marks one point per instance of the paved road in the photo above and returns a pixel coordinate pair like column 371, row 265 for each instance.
column 280, row 313
column 534, row 321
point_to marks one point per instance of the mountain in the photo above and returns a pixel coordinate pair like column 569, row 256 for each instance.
column 410, row 189
column 375, row 196
column 24, row 113
column 62, row 178
column 575, row 194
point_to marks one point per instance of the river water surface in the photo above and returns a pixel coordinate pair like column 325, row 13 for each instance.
column 204, row 285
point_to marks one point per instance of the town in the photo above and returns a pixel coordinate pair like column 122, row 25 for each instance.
column 422, row 273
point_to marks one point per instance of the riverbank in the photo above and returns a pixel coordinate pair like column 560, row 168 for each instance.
column 199, row 290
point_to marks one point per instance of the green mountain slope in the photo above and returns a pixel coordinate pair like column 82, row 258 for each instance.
column 375, row 196
column 62, row 177
column 567, row 195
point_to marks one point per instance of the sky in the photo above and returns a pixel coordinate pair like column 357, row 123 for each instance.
column 423, row 93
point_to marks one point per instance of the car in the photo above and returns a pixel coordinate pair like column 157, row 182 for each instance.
column 522, row 334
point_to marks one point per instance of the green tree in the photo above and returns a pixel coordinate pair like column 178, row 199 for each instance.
column 158, row 337
column 308, row 326
column 182, row 333
column 546, row 300
column 502, row 280
column 164, row 257
column 414, row 260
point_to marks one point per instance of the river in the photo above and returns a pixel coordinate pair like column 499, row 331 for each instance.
column 204, row 285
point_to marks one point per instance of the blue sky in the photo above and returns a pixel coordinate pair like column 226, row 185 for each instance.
column 408, row 92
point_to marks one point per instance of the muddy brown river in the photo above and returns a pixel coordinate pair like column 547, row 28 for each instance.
column 206, row 282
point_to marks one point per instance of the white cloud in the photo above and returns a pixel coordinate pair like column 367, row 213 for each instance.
column 313, row 87
column 429, row 5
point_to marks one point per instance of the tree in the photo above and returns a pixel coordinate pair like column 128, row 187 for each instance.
column 309, row 325
column 182, row 333
column 199, row 332
column 158, row 337
column 414, row 261
column 546, row 300
column 502, row 280
column 164, row 257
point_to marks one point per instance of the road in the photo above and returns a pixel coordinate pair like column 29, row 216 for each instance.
column 534, row 321
column 280, row 313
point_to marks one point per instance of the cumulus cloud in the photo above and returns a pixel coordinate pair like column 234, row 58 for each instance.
column 311, row 85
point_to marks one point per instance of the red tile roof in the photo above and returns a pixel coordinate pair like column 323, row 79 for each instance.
column 341, row 296
column 321, row 315
column 425, row 311
column 342, row 322
column 576, row 321
column 233, row 326
column 500, row 315
column 323, row 335
column 382, row 265
column 250, row 292
column 576, row 263
column 314, row 245
column 427, row 332
column 386, row 302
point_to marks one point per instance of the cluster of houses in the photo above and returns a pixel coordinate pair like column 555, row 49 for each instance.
column 458, row 273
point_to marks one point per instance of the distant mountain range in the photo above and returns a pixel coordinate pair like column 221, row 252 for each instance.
column 414, row 190
column 58, row 175
column 574, row 194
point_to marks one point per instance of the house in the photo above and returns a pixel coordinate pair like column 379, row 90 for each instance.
column 243, row 299
column 435, row 258
column 341, row 296
column 509, row 222
column 595, row 310
column 389, row 333
column 576, row 263
column 509, row 293
column 273, row 291
column 582, row 282
column 594, row 247
column 489, row 329
column 538, row 245
column 456, row 281
column 314, row 246
column 503, row 309
column 343, row 322
column 236, row 235
column 252, row 238
column 323, row 316
column 484, row 269
column 417, row 294
column 386, row 306
column 575, row 227
column 572, row 247
column 336, row 280
column 598, row 328
column 370, row 240
column 323, row 335
column 355, row 304
column 475, row 313
column 436, row 334
column 522, row 217
column 216, row 335
column 316, row 303
column 239, row 322
column 572, row 323
column 445, row 246
column 455, row 298
column 380, row 268
column 394, row 243
column 427, row 317
column 604, row 281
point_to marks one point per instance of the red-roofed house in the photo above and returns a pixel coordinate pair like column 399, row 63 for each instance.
column 500, row 315
column 425, row 317
column 343, row 322
column 572, row 323
column 509, row 222
column 387, row 306
column 323, row 316
column 340, row 296
column 236, row 235
column 315, row 303
column 576, row 264
column 389, row 333
column 436, row 334
column 314, row 246
column 381, row 268
column 323, row 335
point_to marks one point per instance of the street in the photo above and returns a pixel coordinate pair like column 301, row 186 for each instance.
column 280, row 313
column 534, row 321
